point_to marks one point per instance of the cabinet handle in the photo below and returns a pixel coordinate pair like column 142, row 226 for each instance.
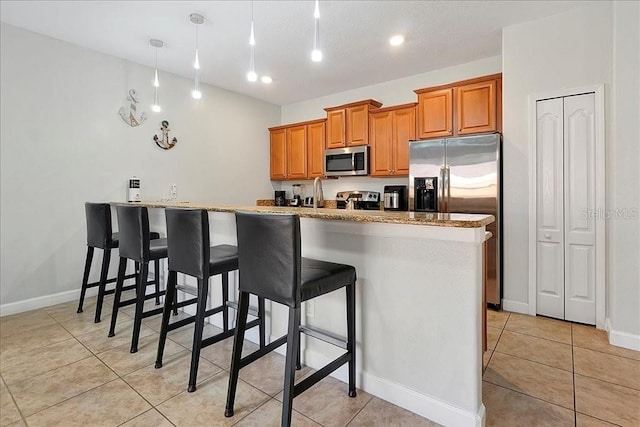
column 547, row 236
column 459, row 129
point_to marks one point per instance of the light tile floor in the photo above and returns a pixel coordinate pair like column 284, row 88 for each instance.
column 59, row 368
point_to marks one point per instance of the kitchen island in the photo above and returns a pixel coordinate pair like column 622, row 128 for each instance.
column 419, row 301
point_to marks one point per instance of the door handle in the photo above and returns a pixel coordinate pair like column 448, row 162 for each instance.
column 547, row 236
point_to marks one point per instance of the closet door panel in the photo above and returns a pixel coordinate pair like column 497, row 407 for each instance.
column 579, row 207
column 550, row 217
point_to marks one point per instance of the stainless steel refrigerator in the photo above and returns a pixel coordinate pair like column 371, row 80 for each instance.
column 462, row 175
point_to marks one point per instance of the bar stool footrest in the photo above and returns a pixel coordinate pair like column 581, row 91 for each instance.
column 325, row 336
column 234, row 305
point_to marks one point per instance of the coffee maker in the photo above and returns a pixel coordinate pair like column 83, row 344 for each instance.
column 426, row 194
column 396, row 198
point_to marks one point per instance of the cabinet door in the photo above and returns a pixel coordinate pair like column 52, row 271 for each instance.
column 404, row 130
column 381, row 144
column 476, row 107
column 336, row 129
column 315, row 149
column 297, row 152
column 435, row 114
column 278, row 154
column 358, row 125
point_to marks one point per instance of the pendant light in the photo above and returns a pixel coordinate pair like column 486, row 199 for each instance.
column 156, row 84
column 197, row 19
column 251, row 75
column 316, row 54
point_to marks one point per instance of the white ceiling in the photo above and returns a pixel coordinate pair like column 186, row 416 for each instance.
column 354, row 37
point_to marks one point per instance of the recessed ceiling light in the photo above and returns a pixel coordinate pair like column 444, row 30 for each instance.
column 396, row 40
column 266, row 79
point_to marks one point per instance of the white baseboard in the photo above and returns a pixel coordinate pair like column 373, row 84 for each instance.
column 48, row 300
column 421, row 404
column 623, row 339
column 515, row 306
column 399, row 395
column 43, row 301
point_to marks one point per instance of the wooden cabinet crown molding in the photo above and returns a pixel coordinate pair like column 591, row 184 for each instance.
column 307, row 122
column 394, row 107
column 371, row 102
column 496, row 76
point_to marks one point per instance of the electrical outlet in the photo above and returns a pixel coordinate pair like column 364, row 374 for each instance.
column 311, row 309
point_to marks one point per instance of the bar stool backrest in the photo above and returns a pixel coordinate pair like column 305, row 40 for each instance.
column 269, row 256
column 98, row 224
column 133, row 228
column 188, row 241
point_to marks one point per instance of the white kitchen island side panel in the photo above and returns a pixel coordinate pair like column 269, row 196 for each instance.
column 418, row 318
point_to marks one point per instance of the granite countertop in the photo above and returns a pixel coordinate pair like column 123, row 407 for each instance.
column 380, row 216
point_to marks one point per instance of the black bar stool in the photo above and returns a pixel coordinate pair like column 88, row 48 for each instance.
column 271, row 266
column 100, row 235
column 190, row 253
column 136, row 245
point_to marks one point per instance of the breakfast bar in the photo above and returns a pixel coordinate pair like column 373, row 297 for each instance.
column 419, row 301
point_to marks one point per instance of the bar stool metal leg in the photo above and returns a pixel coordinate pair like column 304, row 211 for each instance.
column 106, row 258
column 140, row 293
column 225, row 300
column 293, row 342
column 168, row 303
column 85, row 277
column 203, row 288
column 351, row 336
column 122, row 266
column 262, row 326
column 238, row 340
column 156, row 279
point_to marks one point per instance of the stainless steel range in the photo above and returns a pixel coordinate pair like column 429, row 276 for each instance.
column 368, row 200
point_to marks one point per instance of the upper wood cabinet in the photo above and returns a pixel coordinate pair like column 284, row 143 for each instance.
column 315, row 149
column 348, row 125
column 297, row 150
column 476, row 107
column 461, row 108
column 278, row 154
column 391, row 129
column 435, row 113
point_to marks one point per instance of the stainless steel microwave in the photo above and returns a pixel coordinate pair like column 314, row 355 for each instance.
column 347, row 161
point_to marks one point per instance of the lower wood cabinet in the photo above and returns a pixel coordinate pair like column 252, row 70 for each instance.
column 390, row 131
column 297, row 150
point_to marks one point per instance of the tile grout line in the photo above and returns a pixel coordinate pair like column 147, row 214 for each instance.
column 358, row 413
column 528, row 395
column 13, row 399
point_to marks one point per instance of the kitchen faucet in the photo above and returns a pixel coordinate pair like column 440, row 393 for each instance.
column 318, row 198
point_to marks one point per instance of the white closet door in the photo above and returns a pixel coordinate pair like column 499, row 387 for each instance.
column 550, row 298
column 579, row 189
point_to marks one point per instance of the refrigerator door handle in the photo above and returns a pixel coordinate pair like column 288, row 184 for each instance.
column 441, row 195
column 448, row 187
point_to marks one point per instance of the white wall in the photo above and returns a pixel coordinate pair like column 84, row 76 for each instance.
column 390, row 93
column 63, row 143
column 624, row 177
column 566, row 51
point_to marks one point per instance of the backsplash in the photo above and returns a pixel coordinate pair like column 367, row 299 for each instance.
column 331, row 186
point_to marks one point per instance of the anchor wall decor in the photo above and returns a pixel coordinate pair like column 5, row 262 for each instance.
column 164, row 142
column 131, row 118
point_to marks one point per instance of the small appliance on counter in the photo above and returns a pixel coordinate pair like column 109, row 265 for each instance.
column 133, row 194
column 367, row 200
column 396, row 198
column 280, row 198
column 426, row 194
column 297, row 196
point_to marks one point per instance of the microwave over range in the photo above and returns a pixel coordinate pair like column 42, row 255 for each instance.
column 347, row 161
